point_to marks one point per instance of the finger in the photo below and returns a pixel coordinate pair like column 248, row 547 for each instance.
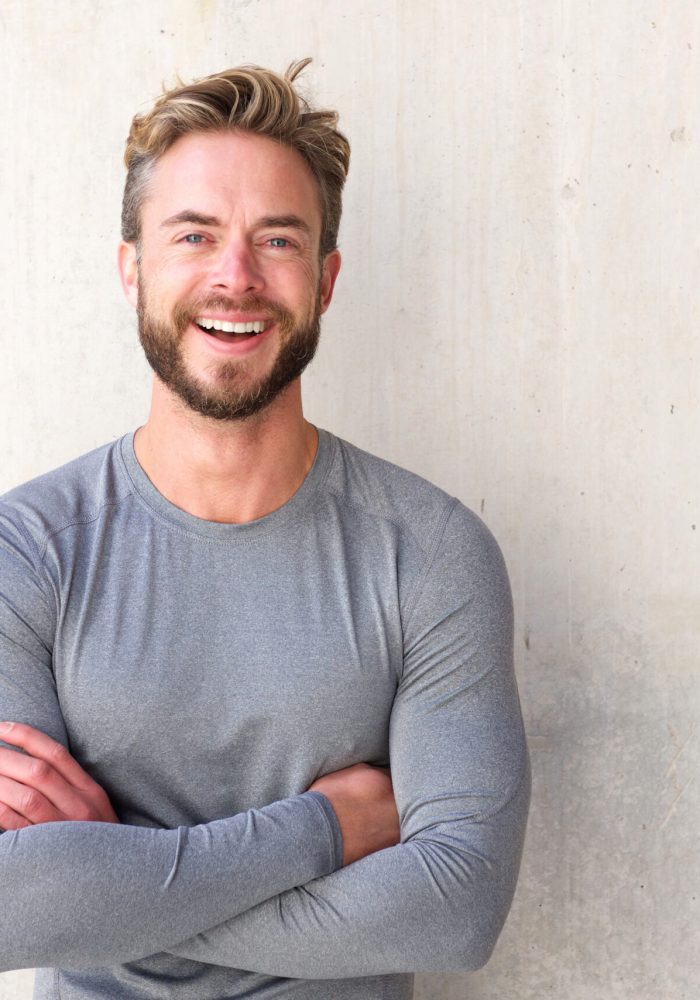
column 27, row 803
column 10, row 820
column 42, row 795
column 40, row 778
column 41, row 746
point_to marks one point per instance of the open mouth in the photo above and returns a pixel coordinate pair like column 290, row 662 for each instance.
column 230, row 332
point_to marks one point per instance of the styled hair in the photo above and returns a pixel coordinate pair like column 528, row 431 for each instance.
column 246, row 98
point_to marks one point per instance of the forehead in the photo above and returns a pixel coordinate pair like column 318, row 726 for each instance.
column 229, row 174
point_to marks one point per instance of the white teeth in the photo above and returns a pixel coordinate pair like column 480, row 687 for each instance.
column 219, row 324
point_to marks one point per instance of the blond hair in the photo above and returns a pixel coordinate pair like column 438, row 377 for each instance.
column 245, row 98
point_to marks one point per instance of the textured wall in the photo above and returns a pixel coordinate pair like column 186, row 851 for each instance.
column 517, row 320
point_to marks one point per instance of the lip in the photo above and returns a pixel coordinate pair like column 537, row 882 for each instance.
column 233, row 349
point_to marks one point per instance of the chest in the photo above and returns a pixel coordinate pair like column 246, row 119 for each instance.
column 200, row 683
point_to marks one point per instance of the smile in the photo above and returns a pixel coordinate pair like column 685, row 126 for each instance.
column 223, row 326
column 235, row 339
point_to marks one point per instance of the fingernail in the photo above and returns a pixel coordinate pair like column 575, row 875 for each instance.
column 5, row 727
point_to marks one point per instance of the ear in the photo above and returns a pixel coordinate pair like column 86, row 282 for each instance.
column 329, row 272
column 128, row 271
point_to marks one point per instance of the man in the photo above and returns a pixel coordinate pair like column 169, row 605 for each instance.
column 235, row 622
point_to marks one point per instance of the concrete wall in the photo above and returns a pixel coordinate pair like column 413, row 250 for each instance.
column 517, row 320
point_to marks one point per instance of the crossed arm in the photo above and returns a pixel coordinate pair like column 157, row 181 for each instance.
column 44, row 796
column 436, row 901
column 44, row 784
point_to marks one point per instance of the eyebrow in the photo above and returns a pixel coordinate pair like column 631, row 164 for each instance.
column 285, row 222
column 194, row 218
column 198, row 219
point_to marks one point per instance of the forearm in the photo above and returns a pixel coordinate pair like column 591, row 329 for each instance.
column 428, row 905
column 81, row 894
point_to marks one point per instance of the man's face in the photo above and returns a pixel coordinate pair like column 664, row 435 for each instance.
column 229, row 289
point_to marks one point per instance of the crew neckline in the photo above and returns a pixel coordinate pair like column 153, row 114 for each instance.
column 294, row 508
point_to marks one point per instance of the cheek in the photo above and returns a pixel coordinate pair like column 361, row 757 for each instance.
column 305, row 282
column 167, row 284
column 309, row 269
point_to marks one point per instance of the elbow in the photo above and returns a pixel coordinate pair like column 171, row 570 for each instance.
column 479, row 917
column 474, row 949
column 468, row 944
column 467, row 924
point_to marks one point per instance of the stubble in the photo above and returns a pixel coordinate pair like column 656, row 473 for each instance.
column 232, row 391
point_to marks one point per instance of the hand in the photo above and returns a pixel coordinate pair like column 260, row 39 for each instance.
column 363, row 801
column 45, row 784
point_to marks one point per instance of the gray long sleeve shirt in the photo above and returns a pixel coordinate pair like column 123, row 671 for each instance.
column 205, row 674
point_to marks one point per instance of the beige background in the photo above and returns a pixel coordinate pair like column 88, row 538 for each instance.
column 517, row 320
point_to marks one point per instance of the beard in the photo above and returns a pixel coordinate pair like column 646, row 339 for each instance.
column 233, row 393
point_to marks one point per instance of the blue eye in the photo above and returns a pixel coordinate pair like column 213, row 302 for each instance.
column 193, row 238
column 279, row 241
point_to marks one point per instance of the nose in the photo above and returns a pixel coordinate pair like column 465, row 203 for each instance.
column 235, row 270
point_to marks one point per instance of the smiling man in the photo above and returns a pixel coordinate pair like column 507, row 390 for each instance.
column 256, row 307
column 262, row 680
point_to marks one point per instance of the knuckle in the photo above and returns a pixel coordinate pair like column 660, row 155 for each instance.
column 39, row 771
column 30, row 802
column 87, row 785
column 58, row 753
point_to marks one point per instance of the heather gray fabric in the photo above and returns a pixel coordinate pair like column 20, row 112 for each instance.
column 205, row 674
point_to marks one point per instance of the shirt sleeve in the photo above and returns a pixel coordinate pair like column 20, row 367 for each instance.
column 81, row 894
column 459, row 762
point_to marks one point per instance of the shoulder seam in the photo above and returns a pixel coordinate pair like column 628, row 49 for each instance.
column 400, row 525
column 364, row 509
column 87, row 519
column 412, row 599
column 18, row 521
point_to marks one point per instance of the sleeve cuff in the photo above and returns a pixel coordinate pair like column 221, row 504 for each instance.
column 334, row 835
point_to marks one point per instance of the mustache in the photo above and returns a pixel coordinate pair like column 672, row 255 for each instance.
column 186, row 312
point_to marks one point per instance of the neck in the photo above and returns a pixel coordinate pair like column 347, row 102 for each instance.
column 228, row 471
